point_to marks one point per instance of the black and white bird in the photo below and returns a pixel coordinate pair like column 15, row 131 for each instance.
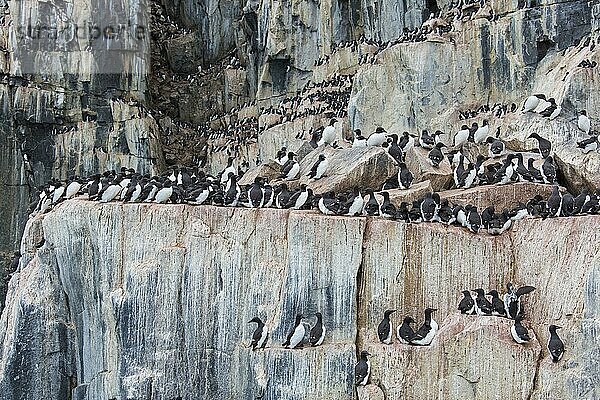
column 554, row 203
column 259, row 337
column 512, row 299
column 435, row 155
column 256, row 193
column 299, row 199
column 233, row 191
column 362, row 370
column 384, row 329
column 404, row 332
column 291, row 169
column 556, row 347
column 551, row 111
column 317, row 332
column 359, row 139
column 519, row 333
column 371, row 207
column 296, row 335
column 497, row 304
column 386, row 208
column 482, row 304
column 473, row 219
column 228, row 169
column 282, row 156
column 355, row 203
column 544, row 145
column 496, row 147
column 405, row 177
column 429, row 207
column 583, row 122
column 319, row 168
column 406, row 141
column 424, row 336
column 377, row 138
column 328, row 204
column 467, row 304
column 328, row 135
column 73, row 187
column 393, row 149
column 548, row 170
column 426, row 140
column 164, row 194
column 532, row 102
column 462, row 136
column 482, row 132
column 589, row 144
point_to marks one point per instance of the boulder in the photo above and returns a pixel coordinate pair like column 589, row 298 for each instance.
column 418, row 163
column 367, row 167
column 397, row 196
column 271, row 170
column 501, row 196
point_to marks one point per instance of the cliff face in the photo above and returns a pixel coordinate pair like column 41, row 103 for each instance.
column 143, row 301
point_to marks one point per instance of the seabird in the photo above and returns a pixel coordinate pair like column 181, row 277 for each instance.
column 482, row 304
column 328, row 135
column 387, row 209
column 164, row 194
column 467, row 304
column 371, row 207
column 359, row 139
column 462, row 136
column 512, row 299
column 405, row 177
column 544, row 145
column 554, row 202
column 405, row 332
column 424, row 336
column 589, row 144
column 384, row 330
column 377, row 138
column 583, row 122
column 519, row 333
column 296, row 334
column 259, row 337
column 497, row 304
column 393, row 149
column 496, row 147
column 362, row 370
column 548, row 170
column 482, row 132
column 256, row 193
column 533, row 102
column 228, row 169
column 355, row 203
column 291, row 169
column 299, row 198
column 556, row 347
column 319, row 168
column 426, row 140
column 317, row 333
column 232, row 194
column 435, row 155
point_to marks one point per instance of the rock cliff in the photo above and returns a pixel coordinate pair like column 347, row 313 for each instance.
column 152, row 302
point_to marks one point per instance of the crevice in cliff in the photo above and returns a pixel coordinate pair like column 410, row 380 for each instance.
column 536, row 376
column 360, row 286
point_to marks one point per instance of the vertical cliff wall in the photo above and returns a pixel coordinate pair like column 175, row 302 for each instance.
column 152, row 302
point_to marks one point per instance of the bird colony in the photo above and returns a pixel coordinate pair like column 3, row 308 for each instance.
column 500, row 166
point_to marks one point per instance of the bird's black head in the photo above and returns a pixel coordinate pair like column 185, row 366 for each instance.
column 493, row 293
column 540, row 96
column 582, row 112
column 387, row 313
column 466, row 293
column 553, row 328
column 358, row 132
column 480, row 292
column 409, row 320
column 379, row 130
column 255, row 319
column 321, row 157
column 429, row 311
column 364, row 354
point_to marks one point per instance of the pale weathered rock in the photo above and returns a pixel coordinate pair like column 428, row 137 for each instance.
column 500, row 196
column 416, row 191
column 418, row 163
column 150, row 291
column 367, row 167
column 270, row 170
column 370, row 392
